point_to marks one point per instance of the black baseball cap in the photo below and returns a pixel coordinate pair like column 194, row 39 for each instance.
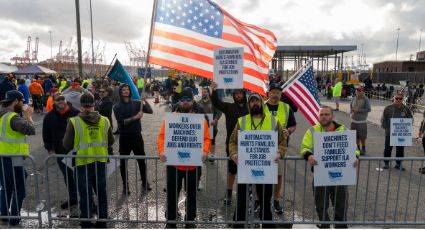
column 274, row 86
column 87, row 100
column 13, row 95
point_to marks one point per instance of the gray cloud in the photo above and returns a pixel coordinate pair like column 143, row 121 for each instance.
column 115, row 22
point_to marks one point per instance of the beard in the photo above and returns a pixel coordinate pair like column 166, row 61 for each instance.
column 18, row 108
column 256, row 110
column 186, row 109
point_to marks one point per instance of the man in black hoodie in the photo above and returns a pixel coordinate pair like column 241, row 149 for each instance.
column 128, row 114
column 54, row 126
column 232, row 111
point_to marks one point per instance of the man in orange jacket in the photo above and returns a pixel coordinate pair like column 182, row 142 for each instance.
column 176, row 174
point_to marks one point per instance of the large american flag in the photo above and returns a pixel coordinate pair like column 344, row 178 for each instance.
column 186, row 32
column 303, row 92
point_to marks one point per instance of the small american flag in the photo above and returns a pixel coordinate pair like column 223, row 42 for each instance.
column 186, row 32
column 303, row 92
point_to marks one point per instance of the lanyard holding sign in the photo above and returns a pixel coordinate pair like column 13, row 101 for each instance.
column 256, row 157
column 335, row 153
column 184, row 139
column 401, row 132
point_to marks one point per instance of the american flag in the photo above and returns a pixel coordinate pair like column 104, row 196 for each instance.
column 186, row 32
column 303, row 92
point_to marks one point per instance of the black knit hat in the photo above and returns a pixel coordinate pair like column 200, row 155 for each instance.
column 87, row 100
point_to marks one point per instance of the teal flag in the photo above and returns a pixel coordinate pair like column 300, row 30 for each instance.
column 119, row 74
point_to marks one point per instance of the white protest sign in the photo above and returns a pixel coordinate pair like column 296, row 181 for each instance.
column 111, row 166
column 211, row 127
column 184, row 139
column 257, row 151
column 401, row 132
column 228, row 68
column 335, row 153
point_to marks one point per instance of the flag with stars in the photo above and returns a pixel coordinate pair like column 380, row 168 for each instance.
column 186, row 32
column 303, row 92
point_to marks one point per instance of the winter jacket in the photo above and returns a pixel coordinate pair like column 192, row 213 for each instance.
column 232, row 111
column 54, row 126
column 5, row 86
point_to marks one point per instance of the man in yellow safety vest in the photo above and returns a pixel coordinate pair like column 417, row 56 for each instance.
column 284, row 114
column 90, row 134
column 13, row 131
column 257, row 119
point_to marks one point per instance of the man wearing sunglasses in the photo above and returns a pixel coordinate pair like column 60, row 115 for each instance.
column 176, row 174
column 396, row 110
column 54, row 126
column 13, row 129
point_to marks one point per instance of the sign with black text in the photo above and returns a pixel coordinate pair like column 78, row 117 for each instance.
column 184, row 139
column 335, row 153
column 257, row 151
column 228, row 68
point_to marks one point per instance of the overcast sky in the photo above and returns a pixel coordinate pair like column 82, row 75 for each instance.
column 295, row 22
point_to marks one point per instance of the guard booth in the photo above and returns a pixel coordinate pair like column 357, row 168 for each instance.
column 328, row 61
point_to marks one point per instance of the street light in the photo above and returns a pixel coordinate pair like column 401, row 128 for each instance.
column 396, row 49
column 51, row 49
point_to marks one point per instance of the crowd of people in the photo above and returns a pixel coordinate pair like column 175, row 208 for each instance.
column 79, row 120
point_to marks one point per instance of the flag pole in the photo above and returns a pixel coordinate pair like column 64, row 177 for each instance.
column 292, row 78
column 109, row 67
column 155, row 3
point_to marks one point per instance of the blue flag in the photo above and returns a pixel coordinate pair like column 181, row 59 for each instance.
column 119, row 74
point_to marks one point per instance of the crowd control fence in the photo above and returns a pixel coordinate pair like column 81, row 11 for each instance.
column 382, row 197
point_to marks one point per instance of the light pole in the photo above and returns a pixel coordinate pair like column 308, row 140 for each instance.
column 92, row 47
column 80, row 55
column 396, row 49
column 51, row 49
column 420, row 39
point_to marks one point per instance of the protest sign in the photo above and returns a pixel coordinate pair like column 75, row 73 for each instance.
column 184, row 139
column 210, row 120
column 401, row 132
column 335, row 153
column 228, row 68
column 257, row 151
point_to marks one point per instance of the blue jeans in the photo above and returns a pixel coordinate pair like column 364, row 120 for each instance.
column 68, row 176
column 92, row 176
column 12, row 194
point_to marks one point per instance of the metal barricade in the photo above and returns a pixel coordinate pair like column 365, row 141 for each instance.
column 382, row 197
column 19, row 192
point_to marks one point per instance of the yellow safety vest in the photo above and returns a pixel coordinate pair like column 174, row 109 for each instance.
column 179, row 88
column 11, row 141
column 62, row 86
column 90, row 140
column 307, row 144
column 269, row 123
column 282, row 113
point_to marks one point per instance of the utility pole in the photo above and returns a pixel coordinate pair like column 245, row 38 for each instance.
column 92, row 47
column 396, row 49
column 51, row 48
column 80, row 53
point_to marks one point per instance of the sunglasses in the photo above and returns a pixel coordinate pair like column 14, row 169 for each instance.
column 102, row 91
column 186, row 99
column 398, row 98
